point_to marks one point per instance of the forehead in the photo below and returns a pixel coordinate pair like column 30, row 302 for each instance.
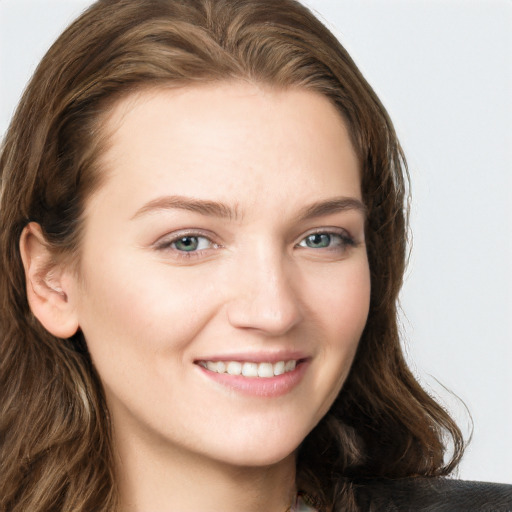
column 219, row 140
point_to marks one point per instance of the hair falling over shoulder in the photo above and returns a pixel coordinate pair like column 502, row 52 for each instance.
column 55, row 441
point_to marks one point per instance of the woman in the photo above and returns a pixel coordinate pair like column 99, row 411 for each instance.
column 203, row 239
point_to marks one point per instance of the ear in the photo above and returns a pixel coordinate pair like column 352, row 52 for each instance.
column 48, row 284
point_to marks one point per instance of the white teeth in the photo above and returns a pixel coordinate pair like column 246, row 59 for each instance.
column 211, row 365
column 265, row 370
column 250, row 370
column 234, row 368
column 262, row 370
column 216, row 366
column 290, row 365
column 279, row 368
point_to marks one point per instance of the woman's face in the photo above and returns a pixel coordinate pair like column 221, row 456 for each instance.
column 228, row 237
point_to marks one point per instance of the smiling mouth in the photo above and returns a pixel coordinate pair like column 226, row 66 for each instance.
column 265, row 370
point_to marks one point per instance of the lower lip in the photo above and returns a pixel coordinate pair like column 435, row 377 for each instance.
column 260, row 386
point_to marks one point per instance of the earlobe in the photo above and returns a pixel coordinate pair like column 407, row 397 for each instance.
column 47, row 284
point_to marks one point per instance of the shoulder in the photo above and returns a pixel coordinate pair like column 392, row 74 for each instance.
column 432, row 494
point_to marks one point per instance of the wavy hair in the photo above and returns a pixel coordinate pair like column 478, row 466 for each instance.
column 55, row 437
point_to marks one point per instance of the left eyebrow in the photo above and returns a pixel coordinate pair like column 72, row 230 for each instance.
column 335, row 205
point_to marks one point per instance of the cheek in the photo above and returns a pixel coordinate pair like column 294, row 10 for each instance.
column 341, row 300
column 339, row 303
column 137, row 314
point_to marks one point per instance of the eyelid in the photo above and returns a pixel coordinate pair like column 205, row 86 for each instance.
column 341, row 242
column 327, row 230
column 165, row 241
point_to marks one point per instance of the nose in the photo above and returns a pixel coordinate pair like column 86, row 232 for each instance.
column 265, row 297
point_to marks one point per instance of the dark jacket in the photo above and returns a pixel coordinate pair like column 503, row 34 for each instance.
column 433, row 495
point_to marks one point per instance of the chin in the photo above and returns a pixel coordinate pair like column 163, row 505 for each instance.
column 262, row 449
column 260, row 458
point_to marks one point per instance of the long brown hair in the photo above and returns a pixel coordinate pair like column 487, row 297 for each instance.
column 55, row 441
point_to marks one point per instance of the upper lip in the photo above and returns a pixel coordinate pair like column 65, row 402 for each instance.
column 256, row 357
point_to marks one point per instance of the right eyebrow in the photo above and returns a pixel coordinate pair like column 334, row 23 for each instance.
column 201, row 206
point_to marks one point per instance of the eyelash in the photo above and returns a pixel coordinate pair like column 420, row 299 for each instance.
column 345, row 242
column 167, row 244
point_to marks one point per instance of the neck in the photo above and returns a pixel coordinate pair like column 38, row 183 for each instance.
column 170, row 480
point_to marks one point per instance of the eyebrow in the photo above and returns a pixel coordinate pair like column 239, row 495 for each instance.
column 201, row 206
column 222, row 210
column 334, row 205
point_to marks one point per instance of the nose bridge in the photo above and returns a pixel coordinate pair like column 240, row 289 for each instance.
column 264, row 297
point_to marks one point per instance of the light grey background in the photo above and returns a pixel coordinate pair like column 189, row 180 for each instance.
column 443, row 68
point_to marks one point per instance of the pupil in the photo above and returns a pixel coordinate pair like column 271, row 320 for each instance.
column 319, row 240
column 187, row 243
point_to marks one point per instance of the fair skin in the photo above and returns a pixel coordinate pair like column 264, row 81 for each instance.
column 229, row 231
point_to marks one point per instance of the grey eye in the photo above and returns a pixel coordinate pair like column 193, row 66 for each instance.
column 191, row 243
column 317, row 241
